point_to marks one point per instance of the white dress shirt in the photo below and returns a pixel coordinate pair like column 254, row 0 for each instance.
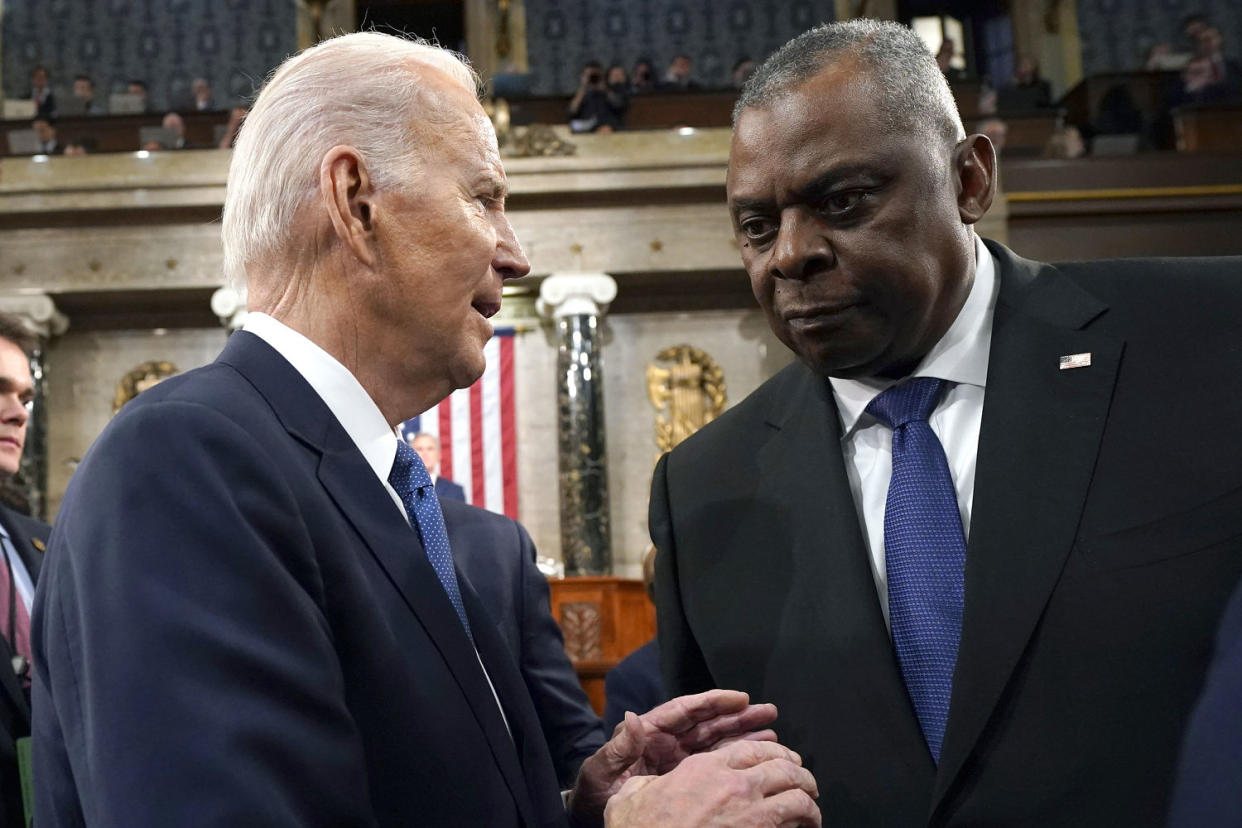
column 961, row 358
column 352, row 406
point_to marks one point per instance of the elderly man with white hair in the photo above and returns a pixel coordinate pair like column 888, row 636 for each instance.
column 249, row 614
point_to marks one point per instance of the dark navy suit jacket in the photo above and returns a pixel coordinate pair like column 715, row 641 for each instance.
column 24, row 532
column 1105, row 540
column 448, row 490
column 1208, row 793
column 498, row 559
column 236, row 626
column 634, row 684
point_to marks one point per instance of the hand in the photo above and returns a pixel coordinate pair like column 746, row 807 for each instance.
column 747, row 783
column 659, row 740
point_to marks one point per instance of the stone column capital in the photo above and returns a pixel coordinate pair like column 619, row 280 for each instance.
column 38, row 310
column 572, row 294
column 229, row 305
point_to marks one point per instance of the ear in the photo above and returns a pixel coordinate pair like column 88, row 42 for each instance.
column 345, row 186
column 974, row 166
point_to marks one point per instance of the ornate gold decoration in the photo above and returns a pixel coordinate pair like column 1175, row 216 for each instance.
column 580, row 623
column 146, row 375
column 538, row 141
column 691, row 390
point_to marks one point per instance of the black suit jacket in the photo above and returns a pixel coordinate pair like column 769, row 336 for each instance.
column 448, row 490
column 1207, row 793
column 497, row 557
column 1106, row 536
column 236, row 626
column 24, row 532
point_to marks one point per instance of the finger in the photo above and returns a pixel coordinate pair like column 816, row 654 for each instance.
column 778, row 775
column 703, row 735
column 741, row 755
column 791, row 809
column 754, row 736
column 684, row 712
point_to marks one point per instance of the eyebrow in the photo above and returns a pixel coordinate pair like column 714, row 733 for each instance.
column 8, row 385
column 814, row 190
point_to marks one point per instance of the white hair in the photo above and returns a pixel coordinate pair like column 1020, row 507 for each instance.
column 362, row 90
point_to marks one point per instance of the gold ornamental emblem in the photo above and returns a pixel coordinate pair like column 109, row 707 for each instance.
column 689, row 393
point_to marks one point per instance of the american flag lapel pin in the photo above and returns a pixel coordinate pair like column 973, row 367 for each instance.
column 1075, row 361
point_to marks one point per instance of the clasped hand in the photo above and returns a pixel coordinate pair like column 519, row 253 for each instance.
column 696, row 760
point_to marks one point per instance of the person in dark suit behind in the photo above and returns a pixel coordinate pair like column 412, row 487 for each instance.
column 1208, row 791
column 427, row 446
column 497, row 557
column 635, row 683
column 249, row 612
column 984, row 528
column 41, row 93
column 22, row 540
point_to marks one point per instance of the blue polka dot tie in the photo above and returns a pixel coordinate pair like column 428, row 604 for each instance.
column 925, row 554
column 409, row 477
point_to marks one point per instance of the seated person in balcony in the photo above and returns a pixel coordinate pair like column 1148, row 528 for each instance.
column 201, row 91
column 643, row 79
column 45, row 131
column 1027, row 90
column 41, row 92
column 1211, row 77
column 678, row 77
column 84, row 91
column 139, row 88
column 595, row 107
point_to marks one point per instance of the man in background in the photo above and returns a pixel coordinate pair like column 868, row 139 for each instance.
column 260, row 622
column 22, row 540
column 427, row 447
column 975, row 542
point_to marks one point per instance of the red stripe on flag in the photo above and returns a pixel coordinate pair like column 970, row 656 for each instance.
column 478, row 484
column 446, row 437
column 508, row 427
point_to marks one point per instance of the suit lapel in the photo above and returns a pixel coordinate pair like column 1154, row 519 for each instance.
column 362, row 499
column 1041, row 431
column 834, row 588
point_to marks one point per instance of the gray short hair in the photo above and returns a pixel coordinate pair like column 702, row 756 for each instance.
column 910, row 88
column 361, row 89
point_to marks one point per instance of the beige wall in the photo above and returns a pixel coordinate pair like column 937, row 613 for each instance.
column 82, row 372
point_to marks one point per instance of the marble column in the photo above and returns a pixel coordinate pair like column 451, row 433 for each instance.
column 39, row 313
column 576, row 302
column 229, row 304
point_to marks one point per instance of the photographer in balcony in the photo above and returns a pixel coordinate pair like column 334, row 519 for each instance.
column 597, row 106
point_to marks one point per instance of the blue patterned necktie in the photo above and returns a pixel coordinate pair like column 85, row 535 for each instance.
column 925, row 554
column 409, row 477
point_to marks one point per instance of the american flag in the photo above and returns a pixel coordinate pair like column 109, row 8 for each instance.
column 477, row 431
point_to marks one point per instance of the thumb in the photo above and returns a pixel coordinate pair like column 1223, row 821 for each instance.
column 627, row 744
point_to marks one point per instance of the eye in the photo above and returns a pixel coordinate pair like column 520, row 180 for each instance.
column 756, row 228
column 843, row 202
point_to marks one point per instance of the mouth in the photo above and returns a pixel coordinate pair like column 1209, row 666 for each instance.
column 486, row 308
column 818, row 315
column 10, row 442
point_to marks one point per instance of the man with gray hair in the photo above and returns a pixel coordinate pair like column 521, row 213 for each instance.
column 974, row 542
column 249, row 614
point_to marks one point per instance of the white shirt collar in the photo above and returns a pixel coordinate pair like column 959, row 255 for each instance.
column 339, row 389
column 961, row 355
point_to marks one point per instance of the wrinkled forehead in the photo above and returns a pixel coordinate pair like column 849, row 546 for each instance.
column 452, row 128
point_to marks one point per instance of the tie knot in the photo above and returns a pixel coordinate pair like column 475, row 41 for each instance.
column 907, row 402
column 408, row 472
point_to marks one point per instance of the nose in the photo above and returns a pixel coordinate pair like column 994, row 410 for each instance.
column 802, row 248
column 509, row 259
column 13, row 411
